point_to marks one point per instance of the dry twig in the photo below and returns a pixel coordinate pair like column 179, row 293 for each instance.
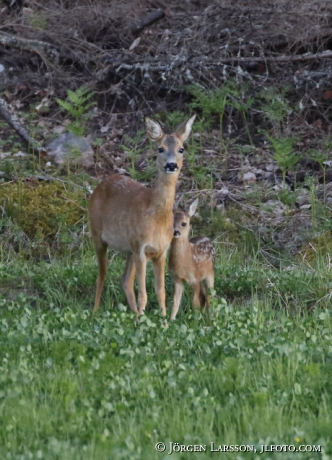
column 16, row 125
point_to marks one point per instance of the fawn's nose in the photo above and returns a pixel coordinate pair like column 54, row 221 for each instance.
column 171, row 167
column 176, row 233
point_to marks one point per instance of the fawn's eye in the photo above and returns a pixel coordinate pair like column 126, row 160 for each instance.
column 161, row 149
column 183, row 224
column 181, row 150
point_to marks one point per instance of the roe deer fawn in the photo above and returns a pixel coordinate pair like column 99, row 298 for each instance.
column 190, row 260
column 137, row 220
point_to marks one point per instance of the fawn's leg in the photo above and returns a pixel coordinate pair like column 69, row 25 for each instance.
column 159, row 281
column 140, row 263
column 196, row 288
column 128, row 280
column 210, row 281
column 203, row 296
column 178, row 290
column 210, row 285
column 101, row 251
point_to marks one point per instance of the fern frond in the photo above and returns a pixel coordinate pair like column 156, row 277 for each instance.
column 77, row 128
column 77, row 105
column 65, row 105
column 80, row 96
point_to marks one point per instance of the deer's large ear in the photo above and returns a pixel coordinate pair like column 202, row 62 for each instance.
column 192, row 208
column 184, row 129
column 153, row 129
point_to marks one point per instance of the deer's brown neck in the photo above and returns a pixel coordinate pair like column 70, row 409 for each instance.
column 164, row 192
column 180, row 258
column 181, row 247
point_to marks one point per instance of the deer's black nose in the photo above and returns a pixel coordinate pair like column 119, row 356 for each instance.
column 176, row 233
column 171, row 167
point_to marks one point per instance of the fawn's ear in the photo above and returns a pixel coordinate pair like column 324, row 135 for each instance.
column 192, row 208
column 153, row 129
column 184, row 129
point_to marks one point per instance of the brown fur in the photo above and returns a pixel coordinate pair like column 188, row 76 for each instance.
column 190, row 261
column 134, row 219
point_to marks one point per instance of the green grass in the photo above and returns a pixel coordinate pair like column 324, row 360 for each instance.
column 77, row 386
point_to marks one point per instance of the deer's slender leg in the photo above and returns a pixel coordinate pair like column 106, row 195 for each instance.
column 140, row 263
column 128, row 280
column 196, row 288
column 159, row 281
column 203, row 296
column 210, row 280
column 178, row 290
column 210, row 285
column 101, row 251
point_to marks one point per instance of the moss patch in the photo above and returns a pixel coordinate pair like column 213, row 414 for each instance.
column 317, row 247
column 41, row 209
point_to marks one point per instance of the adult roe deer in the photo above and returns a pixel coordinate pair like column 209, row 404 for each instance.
column 190, row 260
column 137, row 220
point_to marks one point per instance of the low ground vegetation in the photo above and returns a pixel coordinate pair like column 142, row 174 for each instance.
column 77, row 386
column 256, row 370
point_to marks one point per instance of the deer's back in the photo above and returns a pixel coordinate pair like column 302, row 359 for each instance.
column 203, row 253
column 202, row 249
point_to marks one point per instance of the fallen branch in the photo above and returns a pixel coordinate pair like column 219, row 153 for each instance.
column 149, row 19
column 294, row 58
column 16, row 125
column 163, row 67
column 34, row 46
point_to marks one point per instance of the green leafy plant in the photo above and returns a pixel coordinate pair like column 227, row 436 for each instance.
column 209, row 102
column 133, row 148
column 321, row 156
column 275, row 106
column 222, row 102
column 315, row 210
column 77, row 105
column 288, row 197
column 242, row 104
column 283, row 152
column 212, row 103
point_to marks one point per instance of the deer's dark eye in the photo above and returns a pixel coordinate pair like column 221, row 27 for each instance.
column 181, row 150
column 183, row 224
column 161, row 149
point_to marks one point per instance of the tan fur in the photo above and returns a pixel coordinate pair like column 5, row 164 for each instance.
column 190, row 261
column 134, row 219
